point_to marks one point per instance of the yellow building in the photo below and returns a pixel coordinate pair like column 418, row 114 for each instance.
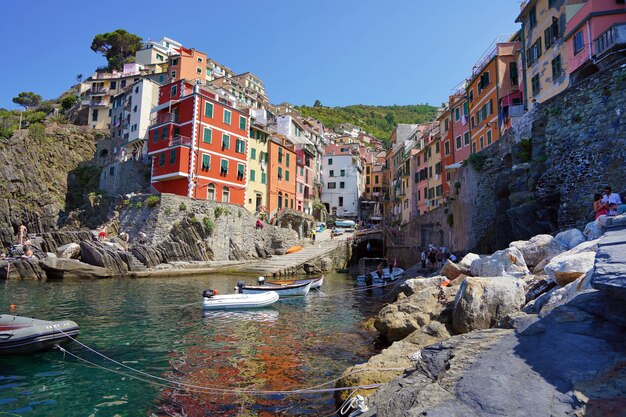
column 544, row 58
column 434, row 192
column 256, row 191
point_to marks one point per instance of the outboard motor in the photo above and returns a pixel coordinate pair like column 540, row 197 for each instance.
column 209, row 293
column 240, row 285
column 261, row 280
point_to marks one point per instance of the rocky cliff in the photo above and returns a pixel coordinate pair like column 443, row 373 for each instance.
column 42, row 176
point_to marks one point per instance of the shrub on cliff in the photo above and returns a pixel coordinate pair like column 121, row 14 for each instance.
column 208, row 226
column 152, row 201
column 477, row 161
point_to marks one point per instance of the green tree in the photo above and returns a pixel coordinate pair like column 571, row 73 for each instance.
column 27, row 99
column 68, row 102
column 317, row 103
column 117, row 47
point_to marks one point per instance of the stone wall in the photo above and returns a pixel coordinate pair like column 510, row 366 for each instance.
column 541, row 176
column 124, row 178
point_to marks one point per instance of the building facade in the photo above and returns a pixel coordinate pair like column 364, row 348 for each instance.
column 342, row 182
column 281, row 168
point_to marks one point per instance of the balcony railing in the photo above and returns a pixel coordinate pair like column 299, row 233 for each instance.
column 98, row 103
column 179, row 140
column 615, row 35
column 165, row 118
column 98, row 90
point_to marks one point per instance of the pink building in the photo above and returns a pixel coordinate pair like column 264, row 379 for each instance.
column 304, row 179
column 596, row 29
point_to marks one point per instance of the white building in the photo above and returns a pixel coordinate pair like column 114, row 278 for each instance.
column 342, row 180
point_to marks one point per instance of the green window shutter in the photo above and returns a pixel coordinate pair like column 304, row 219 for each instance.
column 240, row 146
column 287, row 161
column 241, row 170
column 207, row 135
column 206, row 162
column 227, row 116
column 280, row 173
column 172, row 156
column 162, row 159
column 155, row 135
column 225, row 141
column 287, row 175
column 208, row 109
column 242, row 123
column 252, row 175
column 252, row 153
column 164, row 133
column 224, row 166
column 263, row 177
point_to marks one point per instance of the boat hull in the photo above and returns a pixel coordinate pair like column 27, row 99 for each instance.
column 282, row 290
column 316, row 282
column 20, row 335
column 396, row 273
column 240, row 301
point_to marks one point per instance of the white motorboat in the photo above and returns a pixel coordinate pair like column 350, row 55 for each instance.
column 316, row 282
column 214, row 301
column 26, row 335
column 302, row 288
column 377, row 270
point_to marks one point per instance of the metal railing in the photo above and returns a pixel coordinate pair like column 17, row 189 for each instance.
column 179, row 140
column 613, row 36
column 164, row 118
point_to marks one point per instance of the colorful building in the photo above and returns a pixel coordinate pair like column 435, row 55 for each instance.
column 342, row 172
column 281, row 168
column 198, row 143
column 491, row 91
column 187, row 64
column 595, row 33
column 258, row 158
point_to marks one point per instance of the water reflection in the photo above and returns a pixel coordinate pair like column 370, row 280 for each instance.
column 260, row 315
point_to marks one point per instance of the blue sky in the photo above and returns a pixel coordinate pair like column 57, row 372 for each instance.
column 341, row 51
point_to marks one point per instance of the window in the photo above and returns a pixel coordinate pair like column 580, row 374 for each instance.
column 340, row 202
column 331, row 173
column 533, row 53
column 513, row 73
column 208, row 109
column 135, row 109
column 376, row 179
column 286, row 175
column 162, row 159
column 483, row 82
column 210, row 192
column 263, row 177
column 225, row 195
column 161, row 78
column 489, row 137
column 164, row 133
column 280, row 173
column 532, row 17
column 459, row 142
column 447, row 148
column 242, row 123
column 173, row 91
column 207, row 135
column 332, row 185
column 457, row 114
column 482, row 142
column 437, row 147
column 551, row 34
column 578, row 42
column 159, row 57
column 174, row 62
column 206, row 162
column 557, row 70
column 227, row 116
column 200, row 59
column 252, row 175
column 155, row 135
column 301, row 188
column 342, row 184
column 287, row 160
column 535, row 85
column 123, row 83
column 113, row 85
column 224, row 166
column 173, row 73
column 330, row 161
column 173, row 156
column 438, row 168
column 466, row 108
column 474, row 147
column 225, row 141
column 252, row 153
column 342, row 172
column 280, row 155
column 240, row 146
column 94, row 116
column 241, row 171
column 466, row 138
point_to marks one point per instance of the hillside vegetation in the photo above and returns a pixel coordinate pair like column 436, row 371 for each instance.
column 376, row 120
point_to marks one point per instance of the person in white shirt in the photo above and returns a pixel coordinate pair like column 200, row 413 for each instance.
column 612, row 199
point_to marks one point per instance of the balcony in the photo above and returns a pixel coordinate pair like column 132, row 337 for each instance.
column 615, row 35
column 98, row 91
column 179, row 140
column 98, row 103
column 164, row 118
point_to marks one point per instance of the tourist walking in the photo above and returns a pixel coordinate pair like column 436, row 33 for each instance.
column 313, row 235
column 22, row 232
column 423, row 259
column 439, row 259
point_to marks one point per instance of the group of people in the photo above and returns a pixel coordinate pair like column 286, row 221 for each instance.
column 436, row 257
column 608, row 203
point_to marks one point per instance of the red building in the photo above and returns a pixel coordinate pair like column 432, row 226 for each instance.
column 198, row 143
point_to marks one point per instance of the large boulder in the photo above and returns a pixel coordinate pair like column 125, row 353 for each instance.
column 22, row 269
column 147, row 255
column 570, row 238
column 558, row 296
column 537, row 248
column 60, row 268
column 568, row 267
column 466, row 262
column 415, row 285
column 452, row 270
column 69, row 251
column 98, row 254
column 482, row 302
column 507, row 262
column 593, row 230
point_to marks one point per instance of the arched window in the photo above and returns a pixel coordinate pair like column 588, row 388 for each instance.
column 210, row 192
column 225, row 195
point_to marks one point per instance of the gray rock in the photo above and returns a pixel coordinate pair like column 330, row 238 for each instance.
column 593, row 230
column 69, row 251
column 507, row 262
column 538, row 248
column 568, row 267
column 415, row 285
column 481, row 302
column 570, row 238
column 22, row 269
column 98, row 254
column 610, row 267
column 60, row 268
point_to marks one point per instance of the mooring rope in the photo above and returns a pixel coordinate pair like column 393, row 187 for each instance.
column 192, row 387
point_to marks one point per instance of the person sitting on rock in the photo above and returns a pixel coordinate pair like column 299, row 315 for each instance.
column 600, row 208
column 613, row 201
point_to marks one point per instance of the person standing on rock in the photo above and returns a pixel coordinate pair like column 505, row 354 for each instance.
column 142, row 238
column 102, row 234
column 22, row 232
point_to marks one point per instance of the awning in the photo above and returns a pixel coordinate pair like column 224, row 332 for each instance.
column 456, row 165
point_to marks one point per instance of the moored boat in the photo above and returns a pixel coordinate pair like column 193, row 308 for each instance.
column 214, row 301
column 344, row 223
column 316, row 282
column 282, row 290
column 26, row 335
column 377, row 270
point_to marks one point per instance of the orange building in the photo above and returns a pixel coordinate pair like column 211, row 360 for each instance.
column 198, row 144
column 187, row 64
column 492, row 89
column 281, row 173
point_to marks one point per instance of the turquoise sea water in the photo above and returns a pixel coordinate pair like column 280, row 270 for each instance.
column 157, row 326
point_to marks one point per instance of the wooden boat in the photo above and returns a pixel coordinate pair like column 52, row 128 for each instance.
column 316, row 282
column 27, row 335
column 294, row 249
column 213, row 301
column 302, row 288
column 367, row 271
